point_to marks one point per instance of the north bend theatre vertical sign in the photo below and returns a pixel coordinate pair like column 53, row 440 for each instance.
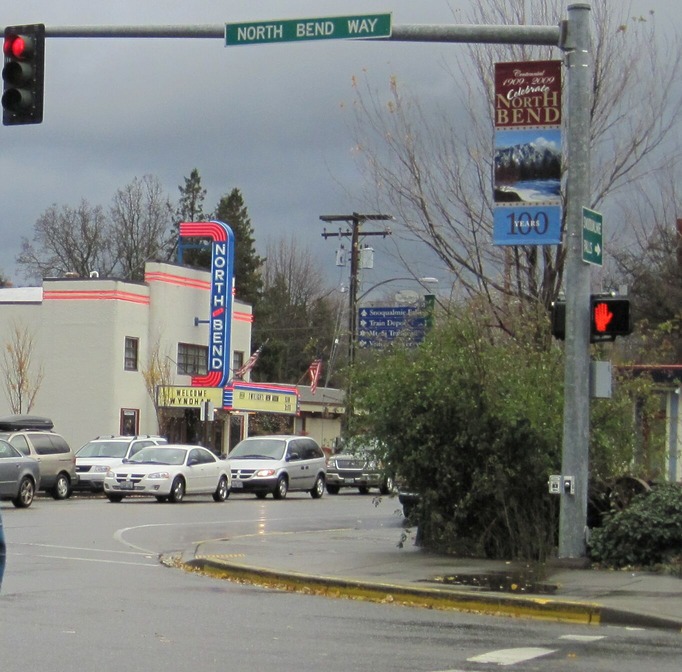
column 527, row 165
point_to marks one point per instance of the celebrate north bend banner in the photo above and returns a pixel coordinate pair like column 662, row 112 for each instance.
column 527, row 164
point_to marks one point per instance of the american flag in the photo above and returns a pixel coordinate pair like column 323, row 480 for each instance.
column 249, row 363
column 314, row 371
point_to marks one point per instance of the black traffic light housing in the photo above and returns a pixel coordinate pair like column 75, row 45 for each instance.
column 23, row 74
column 609, row 317
column 559, row 320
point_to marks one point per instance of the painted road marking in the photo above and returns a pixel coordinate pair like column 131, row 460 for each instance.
column 511, row 656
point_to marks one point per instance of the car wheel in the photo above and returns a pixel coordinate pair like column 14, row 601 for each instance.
column 62, row 488
column 222, row 491
column 177, row 492
column 161, row 498
column 27, row 490
column 363, row 489
column 387, row 487
column 261, row 495
column 318, row 489
column 281, row 489
column 114, row 499
column 333, row 489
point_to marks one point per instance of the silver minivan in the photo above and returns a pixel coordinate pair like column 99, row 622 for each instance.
column 56, row 460
column 278, row 464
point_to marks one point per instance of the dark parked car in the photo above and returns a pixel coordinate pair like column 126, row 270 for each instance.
column 357, row 465
column 19, row 476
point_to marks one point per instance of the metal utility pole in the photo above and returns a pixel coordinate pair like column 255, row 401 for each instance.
column 573, row 38
column 576, row 435
column 355, row 221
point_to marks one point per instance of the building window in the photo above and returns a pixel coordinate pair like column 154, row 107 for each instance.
column 237, row 361
column 130, row 422
column 192, row 359
column 131, row 350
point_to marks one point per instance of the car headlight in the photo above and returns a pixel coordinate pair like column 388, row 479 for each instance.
column 100, row 469
column 373, row 465
column 331, row 464
column 159, row 475
column 262, row 473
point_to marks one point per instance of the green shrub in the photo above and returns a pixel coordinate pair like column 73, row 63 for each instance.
column 646, row 533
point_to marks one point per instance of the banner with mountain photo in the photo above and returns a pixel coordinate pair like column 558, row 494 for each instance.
column 527, row 164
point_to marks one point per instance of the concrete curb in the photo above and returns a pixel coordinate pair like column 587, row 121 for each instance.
column 548, row 609
column 430, row 598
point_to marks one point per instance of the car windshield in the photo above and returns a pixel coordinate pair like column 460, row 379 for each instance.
column 160, row 455
column 265, row 449
column 103, row 449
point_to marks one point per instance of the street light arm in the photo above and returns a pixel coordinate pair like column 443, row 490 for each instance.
column 423, row 281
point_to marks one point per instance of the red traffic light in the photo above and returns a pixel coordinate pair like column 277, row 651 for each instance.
column 23, row 74
column 18, row 46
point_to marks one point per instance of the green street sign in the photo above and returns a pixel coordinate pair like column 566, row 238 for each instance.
column 294, row 30
column 593, row 246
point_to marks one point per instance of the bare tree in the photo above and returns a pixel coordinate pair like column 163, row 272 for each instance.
column 22, row 379
column 433, row 169
column 157, row 373
column 85, row 239
column 69, row 240
column 649, row 263
column 141, row 220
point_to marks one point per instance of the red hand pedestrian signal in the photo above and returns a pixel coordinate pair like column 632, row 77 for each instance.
column 602, row 317
column 610, row 317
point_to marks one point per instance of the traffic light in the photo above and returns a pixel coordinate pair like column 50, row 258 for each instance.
column 23, row 74
column 559, row 320
column 609, row 317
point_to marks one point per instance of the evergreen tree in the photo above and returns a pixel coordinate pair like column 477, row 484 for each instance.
column 247, row 264
column 195, row 251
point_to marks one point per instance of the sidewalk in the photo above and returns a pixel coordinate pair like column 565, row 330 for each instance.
column 369, row 564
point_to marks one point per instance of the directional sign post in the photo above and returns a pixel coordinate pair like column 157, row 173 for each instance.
column 593, row 246
column 294, row 30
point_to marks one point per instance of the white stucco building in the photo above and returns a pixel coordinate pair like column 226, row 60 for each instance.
column 92, row 339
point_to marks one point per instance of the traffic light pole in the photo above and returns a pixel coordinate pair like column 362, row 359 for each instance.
column 576, row 430
column 573, row 37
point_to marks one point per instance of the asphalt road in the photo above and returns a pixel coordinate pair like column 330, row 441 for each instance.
column 84, row 588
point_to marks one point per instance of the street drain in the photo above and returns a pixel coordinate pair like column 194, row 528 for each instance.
column 503, row 582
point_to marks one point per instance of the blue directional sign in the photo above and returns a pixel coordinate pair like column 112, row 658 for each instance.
column 379, row 326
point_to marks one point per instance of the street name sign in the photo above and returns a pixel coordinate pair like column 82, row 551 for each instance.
column 294, row 30
column 593, row 246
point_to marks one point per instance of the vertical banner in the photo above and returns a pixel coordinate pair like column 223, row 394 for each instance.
column 222, row 280
column 527, row 165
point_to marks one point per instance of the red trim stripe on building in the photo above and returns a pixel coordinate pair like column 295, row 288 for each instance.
column 95, row 295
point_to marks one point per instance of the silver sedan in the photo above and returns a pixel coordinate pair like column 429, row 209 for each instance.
column 19, row 476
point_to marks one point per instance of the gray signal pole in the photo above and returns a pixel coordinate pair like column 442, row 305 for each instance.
column 576, row 435
column 573, row 38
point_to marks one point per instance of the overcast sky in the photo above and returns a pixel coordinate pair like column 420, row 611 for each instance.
column 272, row 120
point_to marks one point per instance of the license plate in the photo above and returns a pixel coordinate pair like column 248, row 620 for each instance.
column 127, row 485
column 236, row 485
column 350, row 480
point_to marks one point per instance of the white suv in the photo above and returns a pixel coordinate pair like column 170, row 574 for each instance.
column 94, row 459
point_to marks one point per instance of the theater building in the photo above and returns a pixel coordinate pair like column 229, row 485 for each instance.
column 95, row 349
